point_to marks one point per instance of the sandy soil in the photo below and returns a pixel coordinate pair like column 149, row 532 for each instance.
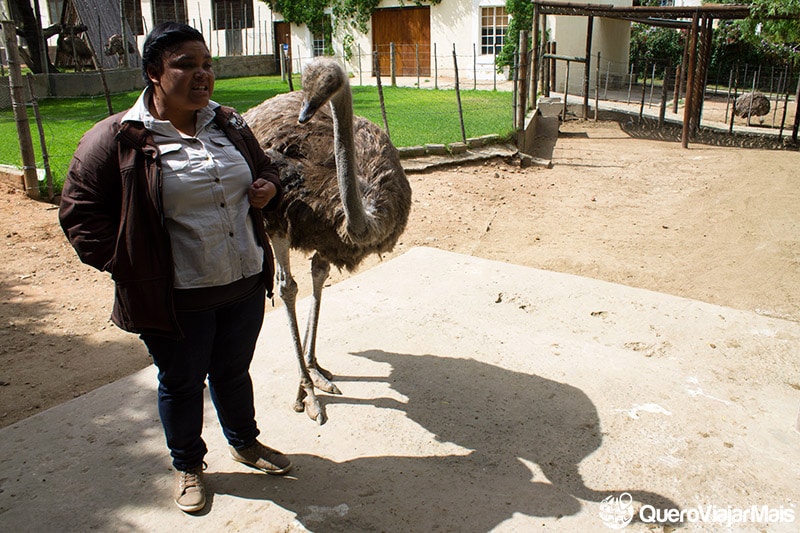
column 717, row 224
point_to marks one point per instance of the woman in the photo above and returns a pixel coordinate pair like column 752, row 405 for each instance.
column 168, row 197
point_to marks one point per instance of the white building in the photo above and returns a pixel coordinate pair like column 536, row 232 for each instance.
column 425, row 37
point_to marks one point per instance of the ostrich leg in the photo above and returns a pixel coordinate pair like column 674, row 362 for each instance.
column 287, row 289
column 321, row 377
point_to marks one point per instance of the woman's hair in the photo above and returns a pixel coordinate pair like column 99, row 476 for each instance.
column 165, row 37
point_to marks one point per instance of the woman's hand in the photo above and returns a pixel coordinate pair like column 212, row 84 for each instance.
column 261, row 192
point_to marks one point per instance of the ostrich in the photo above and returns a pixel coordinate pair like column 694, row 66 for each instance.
column 114, row 47
column 346, row 196
column 751, row 105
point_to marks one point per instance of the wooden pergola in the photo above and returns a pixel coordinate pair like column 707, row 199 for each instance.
column 697, row 20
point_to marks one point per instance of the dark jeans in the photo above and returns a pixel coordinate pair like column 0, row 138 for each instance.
column 218, row 344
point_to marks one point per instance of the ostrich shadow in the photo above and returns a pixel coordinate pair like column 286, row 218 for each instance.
column 509, row 422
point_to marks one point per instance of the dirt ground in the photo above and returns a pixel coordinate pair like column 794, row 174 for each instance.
column 717, row 224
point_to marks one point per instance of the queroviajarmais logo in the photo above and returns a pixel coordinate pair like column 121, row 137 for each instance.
column 616, row 512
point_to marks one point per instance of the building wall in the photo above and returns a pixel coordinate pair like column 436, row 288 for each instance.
column 610, row 37
column 457, row 23
column 199, row 13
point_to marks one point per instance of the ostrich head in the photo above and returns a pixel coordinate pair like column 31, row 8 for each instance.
column 322, row 79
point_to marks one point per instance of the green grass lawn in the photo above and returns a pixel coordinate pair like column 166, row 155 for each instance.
column 415, row 116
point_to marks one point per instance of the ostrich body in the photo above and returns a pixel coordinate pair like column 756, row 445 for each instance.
column 346, row 196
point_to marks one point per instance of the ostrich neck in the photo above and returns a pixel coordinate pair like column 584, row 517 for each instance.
column 345, row 155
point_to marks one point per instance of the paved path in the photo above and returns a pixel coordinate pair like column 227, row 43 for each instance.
column 478, row 396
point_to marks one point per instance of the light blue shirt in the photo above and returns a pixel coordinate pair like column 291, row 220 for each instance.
column 205, row 184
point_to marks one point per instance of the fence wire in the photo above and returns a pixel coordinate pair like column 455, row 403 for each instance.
column 638, row 87
column 479, row 87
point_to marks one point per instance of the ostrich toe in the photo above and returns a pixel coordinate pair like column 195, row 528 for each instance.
column 322, row 380
column 307, row 401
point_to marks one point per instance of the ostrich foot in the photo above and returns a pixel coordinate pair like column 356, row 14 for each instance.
column 307, row 401
column 322, row 380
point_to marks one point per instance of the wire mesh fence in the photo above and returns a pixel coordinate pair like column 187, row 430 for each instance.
column 656, row 89
column 468, row 99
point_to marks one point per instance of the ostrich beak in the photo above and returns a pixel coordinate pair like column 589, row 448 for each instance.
column 307, row 111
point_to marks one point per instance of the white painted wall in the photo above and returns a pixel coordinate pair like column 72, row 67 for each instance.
column 457, row 22
column 610, row 37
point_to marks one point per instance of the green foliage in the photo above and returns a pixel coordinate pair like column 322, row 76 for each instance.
column 521, row 14
column 416, row 116
column 651, row 43
column 761, row 38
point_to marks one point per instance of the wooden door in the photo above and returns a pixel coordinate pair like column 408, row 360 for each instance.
column 283, row 39
column 409, row 28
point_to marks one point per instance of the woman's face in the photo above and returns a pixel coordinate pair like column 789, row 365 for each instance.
column 186, row 81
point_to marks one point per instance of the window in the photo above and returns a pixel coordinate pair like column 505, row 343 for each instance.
column 494, row 23
column 321, row 37
column 133, row 13
column 169, row 10
column 233, row 14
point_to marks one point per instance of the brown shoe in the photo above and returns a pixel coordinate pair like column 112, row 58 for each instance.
column 262, row 458
column 190, row 494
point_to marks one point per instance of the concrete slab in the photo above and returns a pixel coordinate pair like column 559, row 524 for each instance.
column 478, row 396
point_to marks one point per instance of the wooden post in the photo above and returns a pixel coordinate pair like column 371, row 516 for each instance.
column 702, row 70
column 20, row 113
column 680, row 78
column 376, row 67
column 597, row 89
column 796, row 114
column 587, row 66
column 644, row 93
column 786, row 100
column 435, row 68
column 392, row 64
column 125, row 59
column 42, row 141
column 566, row 91
column 458, row 97
column 690, row 74
column 663, row 110
column 536, row 59
column 522, row 78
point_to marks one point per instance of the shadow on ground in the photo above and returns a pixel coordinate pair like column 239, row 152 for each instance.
column 527, row 434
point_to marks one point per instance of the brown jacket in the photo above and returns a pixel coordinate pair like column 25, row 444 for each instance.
column 112, row 213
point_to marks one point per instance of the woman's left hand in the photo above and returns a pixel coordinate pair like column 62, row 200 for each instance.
column 261, row 192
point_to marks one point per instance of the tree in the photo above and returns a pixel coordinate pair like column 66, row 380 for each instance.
column 521, row 14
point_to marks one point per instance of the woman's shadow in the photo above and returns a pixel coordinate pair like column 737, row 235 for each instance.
column 513, row 423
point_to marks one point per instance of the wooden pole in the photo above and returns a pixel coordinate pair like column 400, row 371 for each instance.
column 42, row 140
column 587, row 66
column 681, row 77
column 796, row 114
column 644, row 93
column 702, row 70
column 664, row 90
column 786, row 100
column 392, row 64
column 458, row 97
column 522, row 91
column 597, row 89
column 536, row 59
column 20, row 113
column 376, row 67
column 690, row 74
column 566, row 92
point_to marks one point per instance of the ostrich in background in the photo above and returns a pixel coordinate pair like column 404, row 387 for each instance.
column 346, row 196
